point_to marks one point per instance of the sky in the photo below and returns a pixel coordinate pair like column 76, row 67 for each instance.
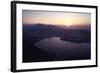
column 55, row 17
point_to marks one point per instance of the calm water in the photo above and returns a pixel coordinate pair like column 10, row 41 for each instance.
column 59, row 47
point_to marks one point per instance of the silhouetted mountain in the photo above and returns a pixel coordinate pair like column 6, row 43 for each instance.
column 40, row 31
column 33, row 33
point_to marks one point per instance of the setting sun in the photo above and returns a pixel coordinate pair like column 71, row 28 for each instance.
column 55, row 18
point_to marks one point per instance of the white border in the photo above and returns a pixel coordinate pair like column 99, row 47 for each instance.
column 37, row 65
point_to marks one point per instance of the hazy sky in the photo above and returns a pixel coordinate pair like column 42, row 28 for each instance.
column 55, row 18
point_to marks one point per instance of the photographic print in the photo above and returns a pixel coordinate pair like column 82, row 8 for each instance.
column 54, row 36
column 47, row 36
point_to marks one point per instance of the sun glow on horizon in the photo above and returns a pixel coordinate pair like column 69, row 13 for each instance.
column 55, row 18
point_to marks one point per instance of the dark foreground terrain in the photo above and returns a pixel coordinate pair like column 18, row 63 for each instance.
column 74, row 44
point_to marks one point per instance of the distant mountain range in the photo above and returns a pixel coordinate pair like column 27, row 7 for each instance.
column 40, row 31
column 33, row 33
